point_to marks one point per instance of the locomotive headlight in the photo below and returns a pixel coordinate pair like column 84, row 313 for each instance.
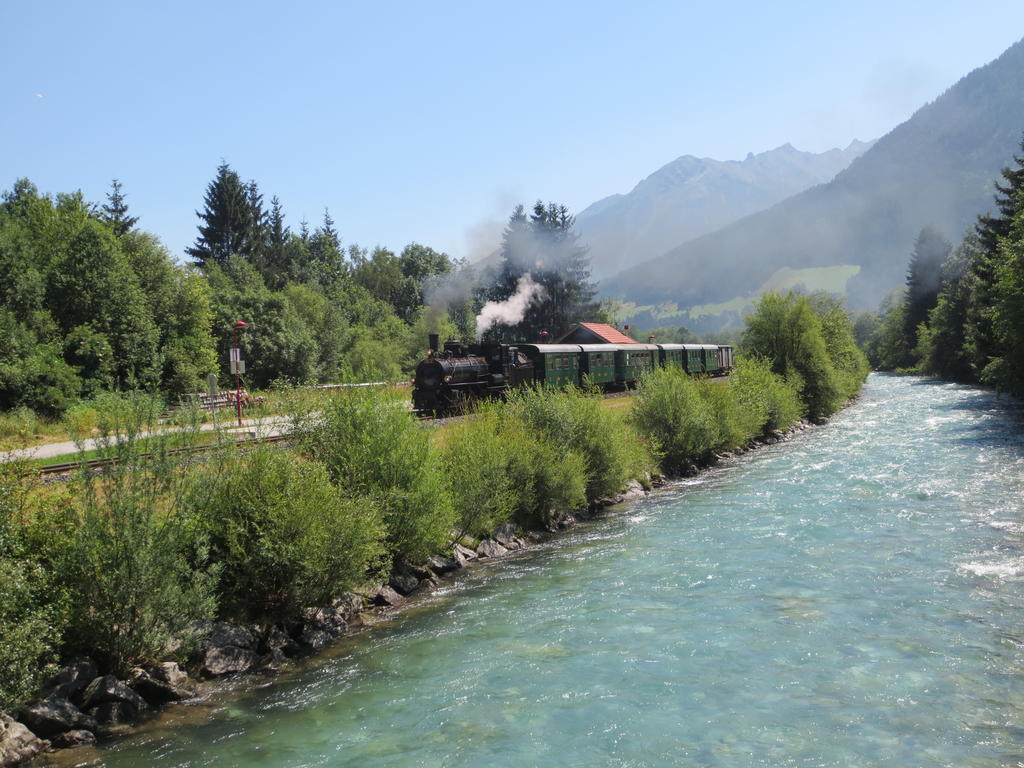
column 447, row 379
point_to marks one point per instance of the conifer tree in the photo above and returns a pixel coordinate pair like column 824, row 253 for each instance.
column 544, row 245
column 980, row 336
column 923, row 281
column 274, row 263
column 258, row 223
column 945, row 354
column 115, row 211
column 227, row 221
column 326, row 257
column 990, row 228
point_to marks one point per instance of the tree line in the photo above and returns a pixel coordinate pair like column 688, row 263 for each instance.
column 92, row 303
column 961, row 314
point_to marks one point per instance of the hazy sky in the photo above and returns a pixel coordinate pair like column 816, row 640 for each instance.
column 427, row 121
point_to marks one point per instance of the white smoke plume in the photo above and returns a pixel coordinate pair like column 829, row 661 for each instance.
column 511, row 310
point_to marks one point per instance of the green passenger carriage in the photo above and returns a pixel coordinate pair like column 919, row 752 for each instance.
column 598, row 363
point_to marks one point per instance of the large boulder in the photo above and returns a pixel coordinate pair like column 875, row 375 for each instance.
column 463, row 554
column 155, row 690
column 505, row 534
column 221, row 633
column 442, row 565
column 72, row 679
column 107, row 689
column 228, row 648
column 403, row 582
column 74, row 739
column 489, row 548
column 387, row 596
column 228, row 659
column 170, row 672
column 633, row 491
column 17, row 743
column 53, row 716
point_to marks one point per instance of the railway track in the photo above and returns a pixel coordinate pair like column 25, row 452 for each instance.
column 67, row 467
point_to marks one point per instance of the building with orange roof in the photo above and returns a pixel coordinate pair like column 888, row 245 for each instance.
column 595, row 333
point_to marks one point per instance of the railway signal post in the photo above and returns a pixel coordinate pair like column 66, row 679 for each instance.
column 237, row 366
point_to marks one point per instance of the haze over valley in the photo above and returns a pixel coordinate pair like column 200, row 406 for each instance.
column 856, row 231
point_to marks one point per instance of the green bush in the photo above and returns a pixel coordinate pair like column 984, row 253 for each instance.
column 811, row 336
column 373, row 447
column 282, row 537
column 127, row 415
column 737, row 425
column 126, row 556
column 81, row 421
column 786, row 331
column 669, row 410
column 30, row 630
column 21, row 423
column 544, row 479
column 575, row 421
column 769, row 401
column 476, row 462
column 30, row 612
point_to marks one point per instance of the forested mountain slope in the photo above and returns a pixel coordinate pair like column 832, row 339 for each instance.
column 935, row 169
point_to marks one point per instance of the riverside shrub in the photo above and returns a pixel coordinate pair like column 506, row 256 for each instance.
column 31, row 615
column 768, row 400
column 573, row 420
column 669, row 410
column 787, row 332
column 476, row 460
column 280, row 534
column 545, row 479
column 372, row 447
column 30, row 630
column 125, row 555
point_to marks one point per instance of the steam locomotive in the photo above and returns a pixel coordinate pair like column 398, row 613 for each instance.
column 452, row 377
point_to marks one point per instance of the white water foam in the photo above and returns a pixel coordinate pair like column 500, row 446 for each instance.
column 1003, row 570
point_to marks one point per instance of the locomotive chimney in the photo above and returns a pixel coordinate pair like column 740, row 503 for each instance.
column 433, row 340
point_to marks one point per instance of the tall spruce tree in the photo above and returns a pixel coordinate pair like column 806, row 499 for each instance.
column 981, row 344
column 327, row 260
column 258, row 223
column 274, row 263
column 944, row 353
column 544, row 245
column 115, row 211
column 1007, row 368
column 228, row 220
column 924, row 277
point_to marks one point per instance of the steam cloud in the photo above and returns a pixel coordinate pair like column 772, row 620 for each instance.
column 511, row 310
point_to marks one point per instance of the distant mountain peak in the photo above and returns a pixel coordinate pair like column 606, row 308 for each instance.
column 691, row 196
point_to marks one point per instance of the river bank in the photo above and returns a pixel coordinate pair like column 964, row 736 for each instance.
column 78, row 699
column 849, row 597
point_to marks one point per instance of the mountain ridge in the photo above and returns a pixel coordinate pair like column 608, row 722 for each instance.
column 691, row 196
column 936, row 168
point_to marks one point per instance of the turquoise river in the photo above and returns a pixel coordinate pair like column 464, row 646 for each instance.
column 851, row 597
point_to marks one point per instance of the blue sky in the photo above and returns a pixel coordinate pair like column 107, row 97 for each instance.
column 427, row 122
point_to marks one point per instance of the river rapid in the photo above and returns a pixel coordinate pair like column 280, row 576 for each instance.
column 851, row 597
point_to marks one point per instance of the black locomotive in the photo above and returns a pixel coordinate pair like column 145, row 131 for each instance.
column 452, row 377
